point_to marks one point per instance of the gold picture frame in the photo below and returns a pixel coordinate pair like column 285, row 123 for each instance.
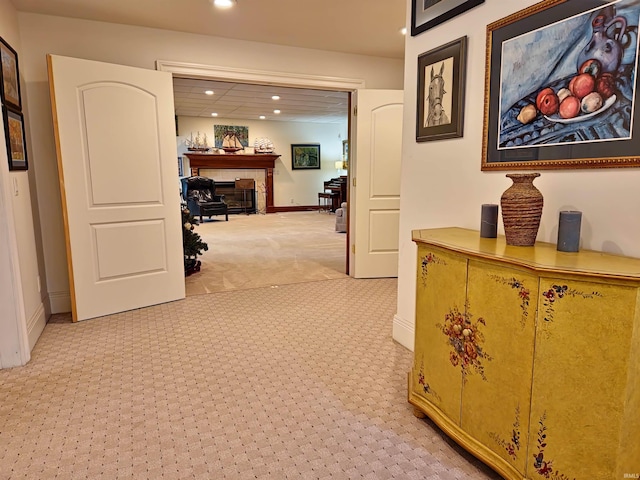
column 525, row 123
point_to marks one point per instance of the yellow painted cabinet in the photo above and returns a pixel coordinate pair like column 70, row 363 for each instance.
column 529, row 357
column 495, row 401
column 434, row 378
column 581, row 373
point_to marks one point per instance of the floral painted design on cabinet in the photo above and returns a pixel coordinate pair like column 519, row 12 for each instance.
column 544, row 467
column 425, row 385
column 427, row 260
column 523, row 294
column 557, row 292
column 512, row 447
column 466, row 339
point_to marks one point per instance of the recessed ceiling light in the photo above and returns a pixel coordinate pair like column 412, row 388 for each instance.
column 275, row 97
column 214, row 114
column 224, row 3
column 262, row 117
column 276, row 111
column 208, row 92
column 403, row 30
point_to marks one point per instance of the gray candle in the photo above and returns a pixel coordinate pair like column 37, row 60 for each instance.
column 489, row 221
column 569, row 231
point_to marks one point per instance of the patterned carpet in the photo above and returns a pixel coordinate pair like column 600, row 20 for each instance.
column 294, row 381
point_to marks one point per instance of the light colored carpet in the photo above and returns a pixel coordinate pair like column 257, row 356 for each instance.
column 252, row 251
column 290, row 381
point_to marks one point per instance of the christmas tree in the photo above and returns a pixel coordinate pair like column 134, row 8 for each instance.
column 192, row 244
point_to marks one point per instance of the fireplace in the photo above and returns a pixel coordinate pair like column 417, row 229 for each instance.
column 238, row 200
column 262, row 161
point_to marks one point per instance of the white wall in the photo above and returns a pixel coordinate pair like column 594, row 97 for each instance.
column 20, row 302
column 141, row 47
column 290, row 187
column 442, row 184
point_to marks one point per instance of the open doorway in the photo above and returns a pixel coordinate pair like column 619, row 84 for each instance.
column 297, row 244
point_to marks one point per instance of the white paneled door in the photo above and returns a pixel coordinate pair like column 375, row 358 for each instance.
column 115, row 139
column 378, row 151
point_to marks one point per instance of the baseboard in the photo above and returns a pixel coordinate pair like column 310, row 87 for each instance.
column 59, row 302
column 294, row 208
column 35, row 325
column 403, row 332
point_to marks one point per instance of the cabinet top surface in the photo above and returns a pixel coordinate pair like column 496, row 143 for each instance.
column 541, row 257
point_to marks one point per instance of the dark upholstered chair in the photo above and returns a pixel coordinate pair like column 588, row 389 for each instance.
column 202, row 201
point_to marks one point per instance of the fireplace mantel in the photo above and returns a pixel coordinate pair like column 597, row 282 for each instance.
column 262, row 161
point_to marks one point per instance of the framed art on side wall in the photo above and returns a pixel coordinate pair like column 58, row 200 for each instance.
column 426, row 14
column 15, row 138
column 305, row 156
column 561, row 87
column 10, row 85
column 441, row 87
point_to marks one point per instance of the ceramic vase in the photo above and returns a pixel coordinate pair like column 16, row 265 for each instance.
column 521, row 206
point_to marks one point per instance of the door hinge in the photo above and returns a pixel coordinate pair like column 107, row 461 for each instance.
column 354, row 182
column 355, row 111
column 353, row 249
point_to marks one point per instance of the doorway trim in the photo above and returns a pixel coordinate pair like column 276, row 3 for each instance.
column 264, row 77
column 214, row 72
column 14, row 343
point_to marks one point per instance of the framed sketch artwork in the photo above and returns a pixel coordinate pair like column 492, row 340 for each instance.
column 561, row 87
column 441, row 86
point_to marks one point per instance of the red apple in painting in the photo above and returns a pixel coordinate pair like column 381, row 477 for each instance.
column 570, row 107
column 542, row 93
column 547, row 101
column 582, row 85
column 606, row 85
column 592, row 66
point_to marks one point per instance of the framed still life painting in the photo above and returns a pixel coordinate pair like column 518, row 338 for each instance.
column 561, row 87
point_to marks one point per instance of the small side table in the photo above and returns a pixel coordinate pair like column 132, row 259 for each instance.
column 330, row 200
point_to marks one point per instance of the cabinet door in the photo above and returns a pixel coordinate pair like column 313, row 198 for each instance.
column 501, row 312
column 441, row 288
column 583, row 347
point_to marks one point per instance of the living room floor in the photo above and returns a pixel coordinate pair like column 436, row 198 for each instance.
column 251, row 251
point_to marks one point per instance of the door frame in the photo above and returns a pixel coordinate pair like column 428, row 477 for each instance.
column 284, row 79
column 14, row 343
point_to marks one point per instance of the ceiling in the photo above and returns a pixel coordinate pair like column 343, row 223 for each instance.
column 365, row 27
column 249, row 102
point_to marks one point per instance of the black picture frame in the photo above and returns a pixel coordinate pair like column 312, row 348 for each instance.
column 519, row 131
column 305, row 156
column 15, row 139
column 426, row 14
column 441, row 116
column 9, row 76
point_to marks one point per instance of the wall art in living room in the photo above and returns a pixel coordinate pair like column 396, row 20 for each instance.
column 569, row 101
column 10, row 85
column 441, row 86
column 426, row 14
column 15, row 138
column 305, row 156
